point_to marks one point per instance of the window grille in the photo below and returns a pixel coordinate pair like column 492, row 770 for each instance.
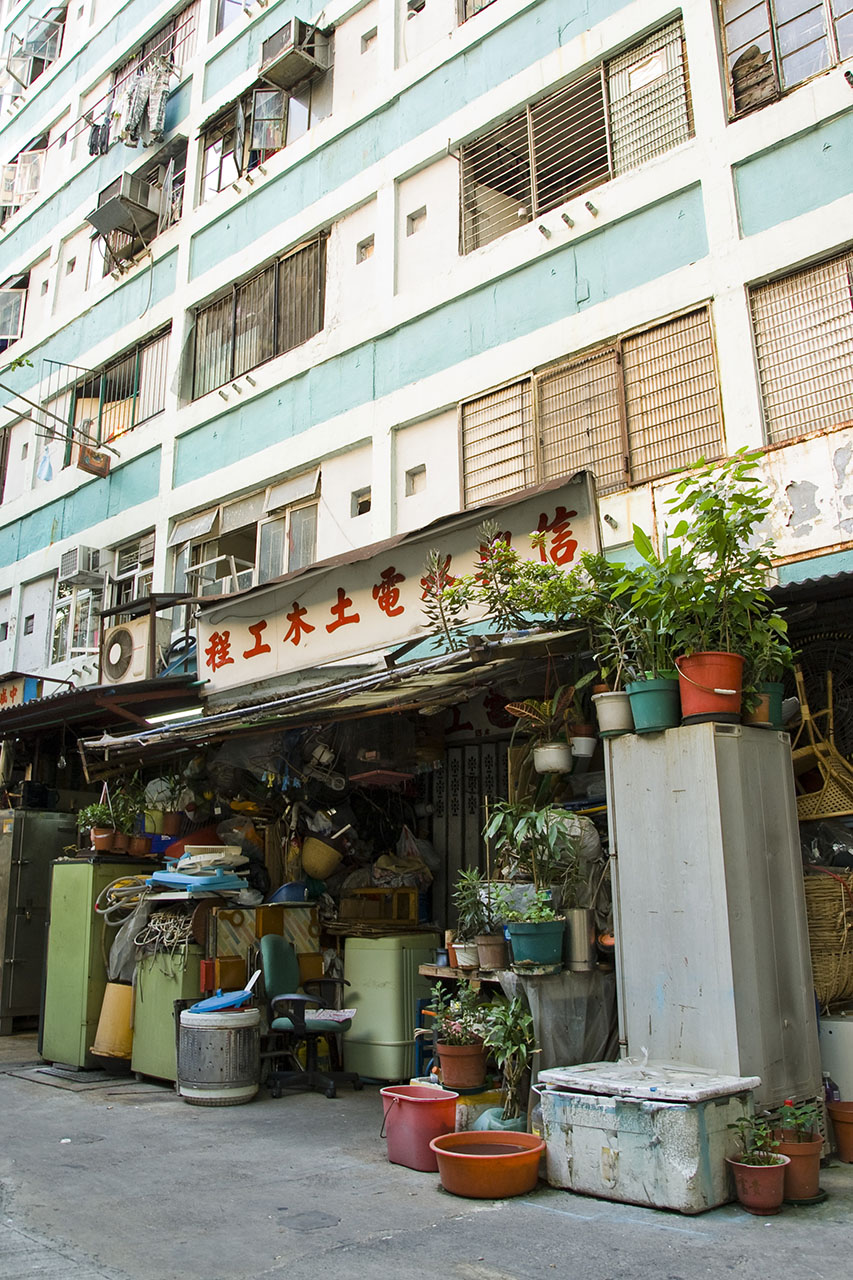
column 803, row 328
column 771, row 48
column 606, row 122
column 467, row 8
column 276, row 310
column 497, row 443
column 643, row 406
column 106, row 403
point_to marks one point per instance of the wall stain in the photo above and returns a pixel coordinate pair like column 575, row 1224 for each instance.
column 804, row 509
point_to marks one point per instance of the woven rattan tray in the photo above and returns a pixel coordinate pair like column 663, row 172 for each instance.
column 829, row 910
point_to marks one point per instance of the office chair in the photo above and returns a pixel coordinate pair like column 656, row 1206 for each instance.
column 291, row 1023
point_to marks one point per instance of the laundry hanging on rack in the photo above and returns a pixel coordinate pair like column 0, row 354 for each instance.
column 143, row 112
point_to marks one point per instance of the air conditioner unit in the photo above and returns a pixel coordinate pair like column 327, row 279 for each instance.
column 125, row 650
column 293, row 54
column 130, row 204
column 79, row 567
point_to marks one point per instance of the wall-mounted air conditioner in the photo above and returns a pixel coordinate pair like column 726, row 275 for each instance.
column 125, row 652
column 130, row 205
column 79, row 567
column 296, row 52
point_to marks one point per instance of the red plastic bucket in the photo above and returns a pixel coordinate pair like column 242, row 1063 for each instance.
column 710, row 683
column 414, row 1115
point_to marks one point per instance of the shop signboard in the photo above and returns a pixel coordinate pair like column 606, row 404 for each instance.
column 339, row 611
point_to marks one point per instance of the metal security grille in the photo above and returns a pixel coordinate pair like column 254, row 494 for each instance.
column 641, row 407
column 609, row 120
column 649, row 99
column 276, row 310
column 111, row 401
column 671, row 397
column 803, row 328
column 497, row 443
column 467, row 8
column 580, row 422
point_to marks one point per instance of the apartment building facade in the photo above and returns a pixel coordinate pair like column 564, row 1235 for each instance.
column 279, row 283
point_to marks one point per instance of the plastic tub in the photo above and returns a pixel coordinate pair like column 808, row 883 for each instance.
column 488, row 1165
column 415, row 1114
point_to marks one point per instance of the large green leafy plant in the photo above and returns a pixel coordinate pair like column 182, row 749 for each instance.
column 509, row 1035
column 532, row 843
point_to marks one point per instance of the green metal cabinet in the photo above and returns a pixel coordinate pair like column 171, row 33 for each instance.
column 161, row 979
column 75, row 976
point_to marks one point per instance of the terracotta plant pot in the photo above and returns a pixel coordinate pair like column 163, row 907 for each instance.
column 121, row 842
column 488, row 1165
column 101, row 838
column 492, row 951
column 841, row 1115
column 802, row 1175
column 172, row 823
column 463, row 1066
column 760, row 1187
column 140, row 846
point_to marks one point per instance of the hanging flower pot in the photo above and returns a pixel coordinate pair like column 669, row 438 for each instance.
column 654, row 704
column 613, row 711
column 710, row 686
column 552, row 757
column 463, row 1066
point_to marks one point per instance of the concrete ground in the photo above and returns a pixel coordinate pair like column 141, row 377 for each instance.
column 124, row 1181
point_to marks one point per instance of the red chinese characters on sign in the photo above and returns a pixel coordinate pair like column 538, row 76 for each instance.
column 339, row 612
column 432, row 583
column 298, row 625
column 218, row 651
column 256, row 631
column 386, row 592
column 562, row 545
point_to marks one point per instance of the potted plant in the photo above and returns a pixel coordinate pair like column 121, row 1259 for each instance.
column 170, row 797
column 534, row 844
column 545, row 721
column 769, row 658
column 647, row 594
column 474, row 898
column 719, row 564
column 470, row 917
column 535, row 935
column 799, row 1138
column 98, row 819
column 459, row 1037
column 509, row 1036
column 759, row 1170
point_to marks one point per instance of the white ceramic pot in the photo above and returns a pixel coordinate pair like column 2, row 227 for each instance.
column 613, row 712
column 552, row 757
column 467, row 955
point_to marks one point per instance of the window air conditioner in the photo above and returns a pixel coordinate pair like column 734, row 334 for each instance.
column 295, row 53
column 79, row 567
column 130, row 205
column 125, row 652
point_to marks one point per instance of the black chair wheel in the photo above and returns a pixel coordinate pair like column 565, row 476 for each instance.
column 331, row 1092
column 275, row 1090
column 358, row 1085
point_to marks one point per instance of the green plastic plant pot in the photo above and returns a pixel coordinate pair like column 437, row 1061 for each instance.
column 537, row 943
column 655, row 705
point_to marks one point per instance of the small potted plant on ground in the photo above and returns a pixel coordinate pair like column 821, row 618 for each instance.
column 99, row 821
column 759, row 1170
column 509, row 1035
column 799, row 1138
column 459, row 1037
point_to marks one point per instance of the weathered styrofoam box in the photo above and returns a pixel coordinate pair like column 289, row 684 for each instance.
column 637, row 1146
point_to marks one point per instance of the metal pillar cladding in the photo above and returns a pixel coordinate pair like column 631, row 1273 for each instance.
column 712, row 947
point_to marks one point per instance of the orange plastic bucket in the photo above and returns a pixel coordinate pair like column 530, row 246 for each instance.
column 414, row 1115
column 710, row 683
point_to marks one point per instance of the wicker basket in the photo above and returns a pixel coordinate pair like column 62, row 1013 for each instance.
column 829, row 910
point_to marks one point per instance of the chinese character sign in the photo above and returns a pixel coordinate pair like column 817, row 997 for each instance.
column 375, row 603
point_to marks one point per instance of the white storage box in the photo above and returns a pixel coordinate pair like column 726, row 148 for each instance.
column 654, row 1135
column 836, row 1050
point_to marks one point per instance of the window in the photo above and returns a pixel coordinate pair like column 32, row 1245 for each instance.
column 610, row 120
column 21, row 179
column 416, row 221
column 255, row 127
column 278, row 309
column 360, row 502
column 13, row 298
column 638, row 408
column 30, row 55
column 76, row 621
column 251, row 540
column 416, row 480
column 803, row 327
column 227, row 11
column 368, row 40
column 29, row 624
column 467, row 8
column 364, row 249
column 175, row 40
column 133, row 572
column 111, row 401
column 772, row 47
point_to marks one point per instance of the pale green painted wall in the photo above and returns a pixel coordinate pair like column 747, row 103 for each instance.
column 601, row 265
column 127, row 486
column 800, row 174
